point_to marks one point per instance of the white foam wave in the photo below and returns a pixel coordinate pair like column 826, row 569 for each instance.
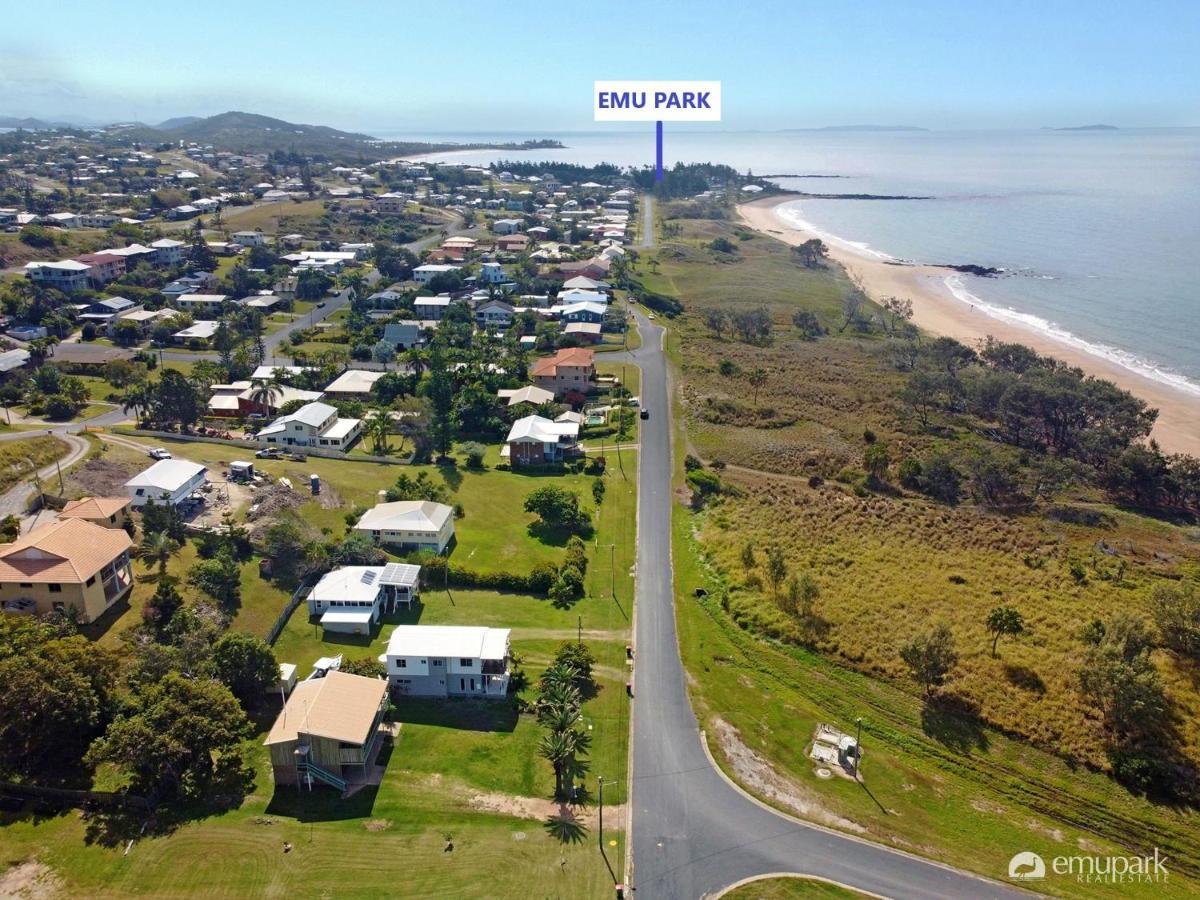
column 1123, row 358
column 791, row 215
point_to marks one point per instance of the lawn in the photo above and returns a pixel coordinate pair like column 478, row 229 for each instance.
column 21, row 457
column 463, row 771
column 267, row 216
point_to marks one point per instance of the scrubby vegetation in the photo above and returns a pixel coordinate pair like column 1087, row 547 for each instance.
column 950, row 518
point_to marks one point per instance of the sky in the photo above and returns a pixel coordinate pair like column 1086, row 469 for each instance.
column 425, row 68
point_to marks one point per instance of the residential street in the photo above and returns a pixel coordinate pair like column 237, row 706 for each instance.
column 693, row 832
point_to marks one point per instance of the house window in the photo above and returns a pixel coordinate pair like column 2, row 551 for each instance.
column 91, row 581
column 26, row 584
column 439, row 663
column 402, row 664
column 467, row 663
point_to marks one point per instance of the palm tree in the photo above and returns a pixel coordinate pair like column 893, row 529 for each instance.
column 158, row 548
column 265, row 392
column 136, row 400
column 378, row 428
column 556, row 747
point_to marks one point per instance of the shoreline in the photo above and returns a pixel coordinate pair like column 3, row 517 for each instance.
column 937, row 310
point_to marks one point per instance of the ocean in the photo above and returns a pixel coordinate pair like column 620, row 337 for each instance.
column 1098, row 232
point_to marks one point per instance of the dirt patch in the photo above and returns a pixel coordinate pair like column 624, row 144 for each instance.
column 267, row 503
column 541, row 809
column 378, row 825
column 222, row 498
column 30, row 880
column 986, row 806
column 101, row 478
column 761, row 777
column 1053, row 833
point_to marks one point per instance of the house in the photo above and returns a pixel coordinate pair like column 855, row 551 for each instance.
column 11, row 360
column 582, row 283
column 494, row 314
column 168, row 252
column 570, row 369
column 206, row 304
column 409, row 525
column 384, row 300
column 201, row 331
column 353, row 384
column 431, row 308
column 248, row 238
column 351, row 599
column 534, row 440
column 507, row 226
column 391, row 203
column 448, row 661
column 329, row 730
column 404, row 335
column 512, row 243
column 425, row 274
column 492, row 273
column 237, row 400
column 582, row 312
column 167, row 481
column 534, row 396
column 107, row 512
column 588, row 332
column 102, row 267
column 67, row 275
column 312, row 425
column 71, row 566
column 27, row 332
column 144, row 318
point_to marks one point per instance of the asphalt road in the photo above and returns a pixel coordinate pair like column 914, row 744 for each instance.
column 693, row 831
column 648, row 222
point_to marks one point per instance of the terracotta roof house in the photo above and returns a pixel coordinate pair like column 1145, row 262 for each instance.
column 71, row 566
column 572, row 369
column 107, row 512
column 328, row 731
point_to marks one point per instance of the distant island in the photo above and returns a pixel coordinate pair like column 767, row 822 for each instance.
column 871, row 128
column 1089, row 128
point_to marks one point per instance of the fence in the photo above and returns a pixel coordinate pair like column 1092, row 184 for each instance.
column 323, row 452
column 297, row 598
column 73, row 798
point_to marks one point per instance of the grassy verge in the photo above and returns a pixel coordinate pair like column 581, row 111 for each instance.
column 21, row 457
column 789, row 888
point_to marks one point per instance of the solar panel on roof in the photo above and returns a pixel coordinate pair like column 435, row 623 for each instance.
column 368, row 577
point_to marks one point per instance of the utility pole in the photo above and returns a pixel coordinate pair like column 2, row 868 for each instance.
column 857, row 746
column 612, row 557
column 579, row 632
column 600, row 831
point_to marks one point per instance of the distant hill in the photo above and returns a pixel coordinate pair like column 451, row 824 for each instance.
column 177, row 122
column 242, row 132
column 26, row 123
column 1089, row 128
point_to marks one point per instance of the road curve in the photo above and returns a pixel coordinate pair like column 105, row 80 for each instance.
column 693, row 832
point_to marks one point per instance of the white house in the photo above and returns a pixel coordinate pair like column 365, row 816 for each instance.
column 494, row 314
column 248, row 238
column 66, row 275
column 426, row 273
column 353, row 384
column 168, row 252
column 448, row 661
column 312, row 425
column 202, row 330
column 492, row 273
column 168, row 481
column 533, row 440
column 507, row 226
column 353, row 598
column 431, row 308
column 409, row 525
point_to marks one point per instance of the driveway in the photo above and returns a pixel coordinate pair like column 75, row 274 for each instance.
column 693, row 831
column 15, row 501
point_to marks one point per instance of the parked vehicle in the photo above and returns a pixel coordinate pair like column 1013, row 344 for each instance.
column 645, row 414
column 269, row 453
column 160, row 453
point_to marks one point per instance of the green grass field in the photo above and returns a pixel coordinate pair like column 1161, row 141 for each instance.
column 462, row 771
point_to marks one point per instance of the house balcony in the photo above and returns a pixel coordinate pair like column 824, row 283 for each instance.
column 118, row 578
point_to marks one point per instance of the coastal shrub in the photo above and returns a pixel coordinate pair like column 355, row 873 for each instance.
column 598, row 491
column 909, row 473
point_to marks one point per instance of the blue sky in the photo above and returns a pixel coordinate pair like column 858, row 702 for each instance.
column 393, row 67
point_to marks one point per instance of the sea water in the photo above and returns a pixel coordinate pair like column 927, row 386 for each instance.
column 1098, row 232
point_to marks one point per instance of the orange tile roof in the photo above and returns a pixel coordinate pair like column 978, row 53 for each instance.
column 94, row 507
column 70, row 550
column 571, row 356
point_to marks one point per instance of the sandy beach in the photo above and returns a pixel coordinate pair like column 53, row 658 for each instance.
column 937, row 310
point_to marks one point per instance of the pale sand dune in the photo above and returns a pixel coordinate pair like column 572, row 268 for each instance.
column 937, row 310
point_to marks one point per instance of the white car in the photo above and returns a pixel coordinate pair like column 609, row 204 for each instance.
column 159, row 453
